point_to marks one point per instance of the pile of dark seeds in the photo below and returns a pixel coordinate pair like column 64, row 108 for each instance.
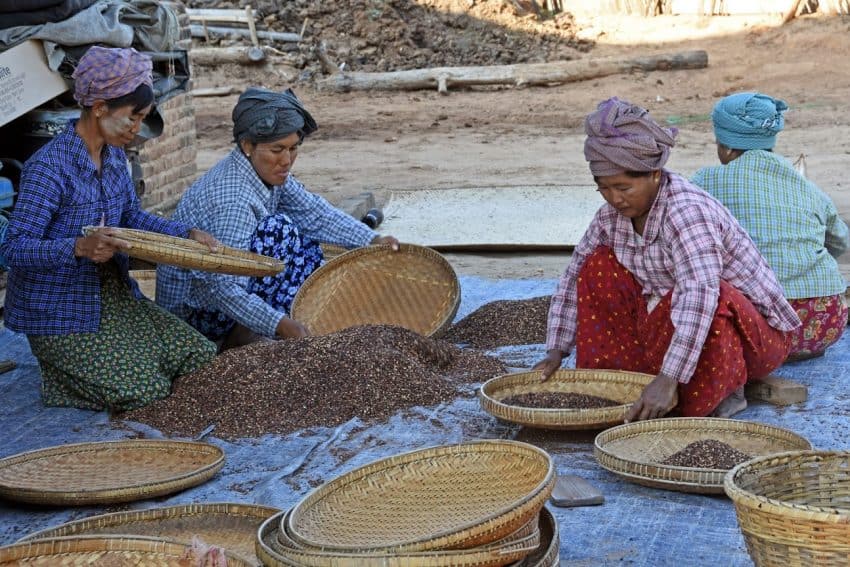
column 559, row 400
column 369, row 372
column 502, row 323
column 707, row 454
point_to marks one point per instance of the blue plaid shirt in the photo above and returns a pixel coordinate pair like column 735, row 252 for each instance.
column 49, row 290
column 229, row 201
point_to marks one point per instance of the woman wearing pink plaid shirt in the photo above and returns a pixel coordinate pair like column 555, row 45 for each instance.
column 665, row 281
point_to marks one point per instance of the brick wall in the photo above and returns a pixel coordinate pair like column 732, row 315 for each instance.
column 168, row 161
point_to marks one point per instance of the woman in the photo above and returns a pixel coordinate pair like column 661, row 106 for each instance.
column 99, row 343
column 794, row 224
column 250, row 200
column 665, row 281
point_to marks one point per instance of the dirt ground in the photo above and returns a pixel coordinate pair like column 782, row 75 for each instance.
column 381, row 141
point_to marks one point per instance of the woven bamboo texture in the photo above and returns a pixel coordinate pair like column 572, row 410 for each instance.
column 275, row 543
column 448, row 497
column 332, row 250
column 617, row 385
column 548, row 554
column 794, row 507
column 227, row 525
column 413, row 287
column 103, row 551
column 634, row 450
column 185, row 253
column 107, row 472
column 147, row 282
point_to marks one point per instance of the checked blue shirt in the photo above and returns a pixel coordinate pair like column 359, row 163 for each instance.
column 229, row 201
column 49, row 290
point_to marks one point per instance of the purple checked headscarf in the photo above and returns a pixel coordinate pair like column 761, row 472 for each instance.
column 622, row 137
column 107, row 73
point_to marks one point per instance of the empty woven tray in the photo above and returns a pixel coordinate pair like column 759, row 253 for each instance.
column 413, row 287
column 103, row 551
column 548, row 554
column 617, row 385
column 635, row 450
column 448, row 497
column 107, row 472
column 227, row 525
column 189, row 254
column 274, row 547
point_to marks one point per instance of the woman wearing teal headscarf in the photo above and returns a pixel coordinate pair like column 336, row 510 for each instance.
column 794, row 224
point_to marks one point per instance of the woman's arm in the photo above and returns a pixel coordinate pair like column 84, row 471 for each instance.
column 837, row 234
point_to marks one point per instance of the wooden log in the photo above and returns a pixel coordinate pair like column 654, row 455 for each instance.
column 777, row 391
column 234, row 16
column 518, row 75
column 214, row 91
column 221, row 55
column 199, row 30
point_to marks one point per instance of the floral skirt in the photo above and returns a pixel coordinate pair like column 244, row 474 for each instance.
column 128, row 363
column 616, row 331
column 278, row 237
column 824, row 320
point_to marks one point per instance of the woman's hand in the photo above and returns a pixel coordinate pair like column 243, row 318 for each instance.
column 199, row 235
column 550, row 364
column 658, row 398
column 100, row 246
column 389, row 240
column 291, row 329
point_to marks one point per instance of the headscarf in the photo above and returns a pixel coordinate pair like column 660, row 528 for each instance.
column 748, row 121
column 622, row 137
column 105, row 73
column 265, row 116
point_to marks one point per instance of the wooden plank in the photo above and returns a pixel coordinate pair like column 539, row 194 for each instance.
column 217, row 15
column 521, row 74
column 777, row 391
column 571, row 491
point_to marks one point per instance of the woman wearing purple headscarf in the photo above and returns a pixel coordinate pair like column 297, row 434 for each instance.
column 100, row 344
column 665, row 281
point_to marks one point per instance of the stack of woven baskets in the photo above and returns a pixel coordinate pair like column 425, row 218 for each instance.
column 473, row 504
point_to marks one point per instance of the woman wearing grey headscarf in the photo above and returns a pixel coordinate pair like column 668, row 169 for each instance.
column 251, row 200
column 665, row 281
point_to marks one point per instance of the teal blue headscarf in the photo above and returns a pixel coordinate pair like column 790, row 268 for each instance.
column 748, row 121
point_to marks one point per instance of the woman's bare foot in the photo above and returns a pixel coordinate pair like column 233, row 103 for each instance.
column 735, row 403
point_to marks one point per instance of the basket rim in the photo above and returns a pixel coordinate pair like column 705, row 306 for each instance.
column 587, row 418
column 111, row 542
column 668, row 475
column 404, row 248
column 270, row 528
column 434, row 451
column 115, row 519
column 772, row 505
column 110, row 494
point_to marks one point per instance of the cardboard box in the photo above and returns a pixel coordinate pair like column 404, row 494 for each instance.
column 25, row 80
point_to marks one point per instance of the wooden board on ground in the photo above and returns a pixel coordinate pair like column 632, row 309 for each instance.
column 536, row 217
column 571, row 491
column 777, row 391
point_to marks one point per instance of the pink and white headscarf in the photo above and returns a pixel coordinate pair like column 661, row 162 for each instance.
column 107, row 73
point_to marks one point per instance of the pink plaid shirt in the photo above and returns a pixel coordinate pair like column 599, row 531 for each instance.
column 690, row 243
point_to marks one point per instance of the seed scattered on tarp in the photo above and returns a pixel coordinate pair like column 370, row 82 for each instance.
column 503, row 323
column 370, row 372
column 707, row 454
column 559, row 400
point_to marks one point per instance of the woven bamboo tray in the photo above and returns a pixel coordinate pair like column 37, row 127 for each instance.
column 107, row 472
column 103, row 551
column 274, row 546
column 413, row 287
column 449, row 497
column 634, row 450
column 147, row 282
column 794, row 507
column 185, row 253
column 548, row 554
column 617, row 385
column 227, row 525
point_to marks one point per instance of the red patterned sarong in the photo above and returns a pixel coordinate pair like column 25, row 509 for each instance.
column 616, row 332
column 824, row 320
